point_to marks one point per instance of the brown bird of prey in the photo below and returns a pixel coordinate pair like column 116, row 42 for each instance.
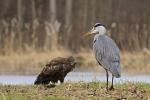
column 56, row 70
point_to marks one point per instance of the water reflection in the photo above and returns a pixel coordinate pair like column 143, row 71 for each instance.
column 75, row 77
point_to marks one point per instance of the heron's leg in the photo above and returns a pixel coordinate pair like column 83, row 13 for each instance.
column 107, row 78
column 112, row 85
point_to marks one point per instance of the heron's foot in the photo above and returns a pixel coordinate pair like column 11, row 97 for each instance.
column 111, row 88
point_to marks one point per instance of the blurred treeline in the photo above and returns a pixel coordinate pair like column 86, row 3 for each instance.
column 48, row 24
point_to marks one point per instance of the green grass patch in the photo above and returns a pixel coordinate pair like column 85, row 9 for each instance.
column 75, row 91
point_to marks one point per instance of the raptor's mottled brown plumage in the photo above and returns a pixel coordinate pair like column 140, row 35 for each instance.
column 56, row 70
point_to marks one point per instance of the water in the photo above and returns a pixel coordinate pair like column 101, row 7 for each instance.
column 75, row 77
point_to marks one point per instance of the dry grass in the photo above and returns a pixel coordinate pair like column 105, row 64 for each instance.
column 32, row 63
column 27, row 63
column 76, row 91
column 136, row 62
column 133, row 63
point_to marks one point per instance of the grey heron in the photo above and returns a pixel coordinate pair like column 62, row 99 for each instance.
column 106, row 52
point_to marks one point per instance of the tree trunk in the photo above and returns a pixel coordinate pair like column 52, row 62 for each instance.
column 32, row 23
column 85, row 9
column 19, row 16
column 52, row 11
column 52, row 28
column 93, row 3
column 68, row 21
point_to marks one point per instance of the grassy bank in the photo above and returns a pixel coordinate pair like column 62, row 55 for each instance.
column 76, row 91
column 32, row 63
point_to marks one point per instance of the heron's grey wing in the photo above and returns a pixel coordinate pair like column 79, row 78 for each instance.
column 107, row 54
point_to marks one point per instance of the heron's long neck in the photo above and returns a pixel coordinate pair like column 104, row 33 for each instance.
column 95, row 37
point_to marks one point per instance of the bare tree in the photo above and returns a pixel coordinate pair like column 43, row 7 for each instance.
column 68, row 20
column 19, row 16
column 36, row 23
column 52, row 9
column 32, row 23
column 52, row 28
column 93, row 3
column 85, row 14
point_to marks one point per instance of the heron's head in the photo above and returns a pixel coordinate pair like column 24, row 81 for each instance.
column 98, row 28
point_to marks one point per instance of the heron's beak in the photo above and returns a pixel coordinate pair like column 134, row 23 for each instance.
column 87, row 34
column 90, row 32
